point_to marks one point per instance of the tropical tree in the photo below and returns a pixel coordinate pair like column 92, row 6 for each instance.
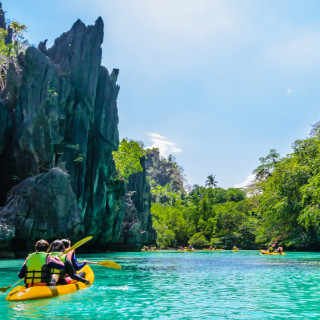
column 127, row 158
column 267, row 165
column 211, row 181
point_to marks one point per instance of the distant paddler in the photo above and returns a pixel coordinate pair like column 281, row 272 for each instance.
column 279, row 250
column 271, row 248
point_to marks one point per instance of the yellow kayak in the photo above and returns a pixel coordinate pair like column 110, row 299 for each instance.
column 235, row 250
column 272, row 253
column 22, row 293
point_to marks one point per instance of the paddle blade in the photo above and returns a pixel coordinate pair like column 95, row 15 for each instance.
column 109, row 264
column 4, row 289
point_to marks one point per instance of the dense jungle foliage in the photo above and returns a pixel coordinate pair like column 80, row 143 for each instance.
column 281, row 206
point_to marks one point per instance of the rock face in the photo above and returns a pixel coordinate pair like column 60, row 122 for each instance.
column 58, row 128
column 137, row 223
column 162, row 171
column 43, row 206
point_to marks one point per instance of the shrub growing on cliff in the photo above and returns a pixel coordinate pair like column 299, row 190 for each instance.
column 127, row 158
column 12, row 43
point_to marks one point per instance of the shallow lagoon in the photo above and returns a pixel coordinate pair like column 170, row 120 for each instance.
column 184, row 285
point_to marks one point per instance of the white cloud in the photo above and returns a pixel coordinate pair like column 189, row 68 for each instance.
column 156, row 135
column 165, row 146
column 289, row 91
column 250, row 179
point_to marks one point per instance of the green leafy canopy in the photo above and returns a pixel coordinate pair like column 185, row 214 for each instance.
column 127, row 158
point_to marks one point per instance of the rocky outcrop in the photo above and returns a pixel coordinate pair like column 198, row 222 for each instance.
column 58, row 128
column 7, row 231
column 162, row 171
column 136, row 228
column 43, row 206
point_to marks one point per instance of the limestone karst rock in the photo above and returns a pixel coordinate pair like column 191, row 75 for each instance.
column 60, row 119
column 42, row 206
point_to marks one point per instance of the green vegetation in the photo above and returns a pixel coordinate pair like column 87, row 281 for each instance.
column 127, row 158
column 204, row 216
column 162, row 171
column 289, row 204
column 281, row 206
column 12, row 43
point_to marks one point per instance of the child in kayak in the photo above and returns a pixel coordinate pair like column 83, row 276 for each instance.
column 38, row 266
column 57, row 248
column 72, row 256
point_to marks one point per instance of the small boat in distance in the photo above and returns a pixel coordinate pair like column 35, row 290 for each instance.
column 272, row 253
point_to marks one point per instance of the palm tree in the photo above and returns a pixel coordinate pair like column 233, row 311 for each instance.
column 211, row 181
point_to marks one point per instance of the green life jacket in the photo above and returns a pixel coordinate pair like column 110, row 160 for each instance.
column 62, row 258
column 36, row 269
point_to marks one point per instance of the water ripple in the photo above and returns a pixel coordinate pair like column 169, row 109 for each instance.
column 167, row 285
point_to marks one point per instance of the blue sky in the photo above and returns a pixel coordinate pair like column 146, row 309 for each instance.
column 216, row 83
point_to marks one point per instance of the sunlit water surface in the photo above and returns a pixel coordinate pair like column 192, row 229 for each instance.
column 187, row 285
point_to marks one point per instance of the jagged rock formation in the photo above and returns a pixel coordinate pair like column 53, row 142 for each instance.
column 58, row 128
column 42, row 206
column 137, row 225
column 162, row 171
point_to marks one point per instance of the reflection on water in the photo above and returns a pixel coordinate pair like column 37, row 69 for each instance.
column 31, row 309
column 167, row 285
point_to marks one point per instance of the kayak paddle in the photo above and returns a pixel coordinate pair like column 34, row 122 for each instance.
column 76, row 245
column 107, row 264
column 4, row 289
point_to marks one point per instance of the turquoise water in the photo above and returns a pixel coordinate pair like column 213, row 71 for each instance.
column 172, row 285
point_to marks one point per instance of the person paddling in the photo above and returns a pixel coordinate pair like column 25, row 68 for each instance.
column 271, row 248
column 279, row 249
column 57, row 248
column 72, row 256
column 38, row 266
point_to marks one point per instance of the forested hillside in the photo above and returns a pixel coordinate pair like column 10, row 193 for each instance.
column 282, row 206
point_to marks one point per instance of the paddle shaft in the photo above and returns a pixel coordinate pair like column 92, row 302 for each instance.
column 4, row 289
column 91, row 262
column 76, row 245
column 105, row 263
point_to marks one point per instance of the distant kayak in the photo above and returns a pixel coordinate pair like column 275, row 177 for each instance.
column 272, row 253
column 235, row 250
column 21, row 293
